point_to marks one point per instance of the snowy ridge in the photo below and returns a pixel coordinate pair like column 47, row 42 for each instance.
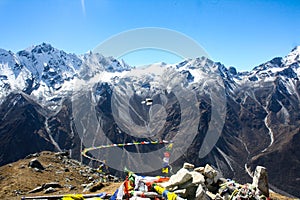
column 293, row 56
column 49, row 74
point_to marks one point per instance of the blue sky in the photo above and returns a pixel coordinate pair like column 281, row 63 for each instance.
column 237, row 33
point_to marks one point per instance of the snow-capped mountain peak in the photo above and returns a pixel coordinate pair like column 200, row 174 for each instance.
column 41, row 48
column 293, row 56
column 287, row 67
column 46, row 73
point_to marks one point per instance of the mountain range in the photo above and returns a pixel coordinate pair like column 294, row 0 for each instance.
column 43, row 92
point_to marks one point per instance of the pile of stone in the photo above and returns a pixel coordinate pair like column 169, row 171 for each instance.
column 203, row 183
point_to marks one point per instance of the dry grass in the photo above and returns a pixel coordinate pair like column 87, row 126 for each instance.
column 17, row 179
column 275, row 196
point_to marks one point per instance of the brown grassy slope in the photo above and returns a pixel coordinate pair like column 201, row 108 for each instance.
column 17, row 179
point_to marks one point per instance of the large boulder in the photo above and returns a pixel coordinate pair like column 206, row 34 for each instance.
column 201, row 194
column 198, row 178
column 260, row 180
column 199, row 169
column 35, row 163
column 210, row 172
column 188, row 166
column 181, row 177
column 53, row 185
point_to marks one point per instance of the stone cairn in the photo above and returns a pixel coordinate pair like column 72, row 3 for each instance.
column 203, row 183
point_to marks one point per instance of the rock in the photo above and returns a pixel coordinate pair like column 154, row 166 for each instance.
column 180, row 192
column 37, row 189
column 198, row 178
column 190, row 192
column 209, row 181
column 218, row 197
column 63, row 153
column 199, row 169
column 70, row 187
column 211, row 195
column 22, row 167
column 32, row 155
column 190, row 189
column 52, row 184
column 35, row 163
column 210, row 172
column 87, row 187
column 59, row 172
column 96, row 187
column 260, row 180
column 217, row 177
column 95, row 176
column 68, row 179
column 222, row 180
column 200, row 194
column 182, row 176
column 49, row 166
column 38, row 170
column 90, row 170
column 212, row 188
column 50, row 190
column 93, row 187
column 188, row 166
column 112, row 178
column 186, row 193
column 17, row 192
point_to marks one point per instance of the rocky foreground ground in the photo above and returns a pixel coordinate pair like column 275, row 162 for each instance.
column 57, row 174
column 49, row 173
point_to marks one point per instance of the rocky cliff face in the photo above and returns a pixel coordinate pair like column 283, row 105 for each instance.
column 42, row 91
